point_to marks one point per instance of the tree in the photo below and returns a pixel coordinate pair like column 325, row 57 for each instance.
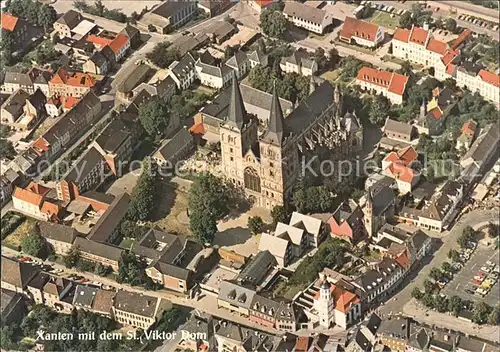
column 480, row 312
column 455, row 305
column 493, row 230
column 333, row 57
column 255, row 224
column 208, row 194
column 451, row 24
column 4, row 131
column 131, row 270
column 468, row 235
column 320, row 57
column 203, row 226
column 102, row 270
column 436, row 274
column 72, row 258
column 428, row 300
column 7, row 150
column 429, row 286
column 351, row 66
column 154, row 116
column 440, row 303
column 379, row 108
column 446, row 267
column 405, row 20
column 279, row 213
column 142, row 202
column 430, row 174
column 162, row 56
column 34, row 244
column 453, row 255
column 416, row 293
column 494, row 317
column 47, row 15
column 273, row 23
column 312, row 199
column 7, row 338
column 406, row 69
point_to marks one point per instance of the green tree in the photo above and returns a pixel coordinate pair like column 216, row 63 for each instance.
column 428, row 300
column 208, row 194
column 279, row 213
column 312, row 199
column 273, row 23
column 416, row 293
column 436, row 274
column 102, row 270
column 255, row 224
column 455, row 305
column 468, row 235
column 162, row 55
column 440, row 303
column 320, row 57
column 430, row 174
column 379, row 109
column 350, row 67
column 47, row 15
column 453, row 255
column 7, row 150
column 494, row 317
column 405, row 20
column 154, row 116
column 429, row 286
column 203, row 226
column 100, row 8
column 142, row 202
column 451, row 24
column 480, row 312
column 34, row 244
column 333, row 57
column 446, row 267
column 131, row 270
column 72, row 258
column 406, row 69
column 493, row 230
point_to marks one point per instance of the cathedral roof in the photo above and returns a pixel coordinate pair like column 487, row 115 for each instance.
column 276, row 127
column 351, row 123
column 237, row 116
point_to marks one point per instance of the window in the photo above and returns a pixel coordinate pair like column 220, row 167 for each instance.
column 231, row 158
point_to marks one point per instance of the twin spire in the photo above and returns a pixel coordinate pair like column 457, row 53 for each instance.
column 237, row 117
column 276, row 125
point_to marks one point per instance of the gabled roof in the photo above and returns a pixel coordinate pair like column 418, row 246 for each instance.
column 277, row 246
column 402, row 35
column 136, row 303
column 289, row 233
column 466, row 33
column 237, row 59
column 437, row 46
column 353, row 27
column 307, row 13
column 397, row 127
column 176, row 143
column 418, row 35
column 469, row 128
column 393, row 82
column 118, row 43
column 13, row 77
column 9, row 22
column 113, row 216
column 489, row 77
column 71, row 18
column 57, row 232
column 17, row 273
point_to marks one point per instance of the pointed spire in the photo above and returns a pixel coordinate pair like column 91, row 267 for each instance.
column 237, row 113
column 275, row 127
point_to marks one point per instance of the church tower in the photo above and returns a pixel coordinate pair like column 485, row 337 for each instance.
column 324, row 305
column 278, row 157
column 237, row 134
column 368, row 213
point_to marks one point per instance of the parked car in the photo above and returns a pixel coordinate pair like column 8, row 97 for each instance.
column 485, row 269
column 475, row 281
column 469, row 291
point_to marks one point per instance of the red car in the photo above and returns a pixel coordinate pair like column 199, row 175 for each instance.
column 476, row 282
column 24, row 259
column 84, row 280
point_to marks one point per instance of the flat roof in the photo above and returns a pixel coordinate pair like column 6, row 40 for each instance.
column 218, row 275
column 84, row 27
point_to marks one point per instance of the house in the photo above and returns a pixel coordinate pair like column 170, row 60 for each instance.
column 289, row 241
column 213, row 76
column 239, row 63
column 307, row 17
column 103, row 230
column 105, row 254
column 160, row 85
column 433, row 114
column 220, row 31
column 69, row 126
column 8, row 181
column 174, row 149
column 361, row 32
column 214, row 7
column 395, row 332
column 259, row 5
column 257, row 57
column 83, row 29
column 347, row 222
column 103, row 303
column 97, row 64
column 165, row 254
column 120, row 45
column 485, row 82
column 34, row 111
column 60, row 237
column 13, row 81
column 133, row 34
column 437, row 212
column 15, row 275
column 57, row 293
column 483, row 149
column 167, row 16
column 13, row 307
column 12, row 108
column 300, row 63
column 75, row 84
column 34, row 201
column 187, row 44
column 398, row 130
column 116, row 144
column 398, row 165
column 138, row 310
column 183, row 72
column 390, row 84
column 42, row 81
column 84, row 297
column 132, row 76
column 64, row 24
column 17, row 27
column 465, row 139
column 202, row 328
column 53, row 107
column 86, row 174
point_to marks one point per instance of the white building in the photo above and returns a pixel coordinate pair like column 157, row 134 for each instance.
column 300, row 63
column 307, row 17
column 183, row 72
column 213, row 76
column 361, row 32
column 390, row 84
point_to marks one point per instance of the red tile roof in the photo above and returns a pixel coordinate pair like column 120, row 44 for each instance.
column 418, row 35
column 37, row 188
column 263, row 3
column 99, row 41
column 27, row 196
column 490, row 77
column 343, row 299
column 401, row 34
column 9, row 22
column 401, row 172
column 54, row 101
column 436, row 112
column 398, row 84
column 61, row 77
column 469, row 128
column 40, row 144
column 437, row 46
column 393, row 82
column 461, row 38
column 80, row 79
column 69, row 102
column 118, row 43
column 407, row 155
column 357, row 28
column 403, row 260
column 450, row 69
column 449, row 56
column 50, row 208
column 197, row 129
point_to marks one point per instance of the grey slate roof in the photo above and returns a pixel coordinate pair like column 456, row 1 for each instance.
column 136, row 303
column 15, row 103
column 99, row 249
column 113, row 136
column 173, row 145
column 98, row 58
column 84, row 165
column 382, row 197
column 71, row 18
column 169, row 8
column 184, row 66
column 256, row 56
column 304, row 12
column 235, row 294
column 276, row 131
column 57, row 232
column 110, row 219
column 20, row 78
column 257, row 269
column 397, row 127
column 480, row 149
column 130, row 79
column 237, row 60
column 237, row 115
column 299, row 57
column 17, row 273
column 84, row 296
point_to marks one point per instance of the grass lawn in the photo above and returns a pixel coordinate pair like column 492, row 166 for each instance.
column 384, row 19
column 284, row 289
column 127, row 243
column 355, row 47
column 172, row 205
column 331, row 75
column 14, row 239
column 204, row 90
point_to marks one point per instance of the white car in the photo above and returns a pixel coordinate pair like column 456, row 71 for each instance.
column 485, row 269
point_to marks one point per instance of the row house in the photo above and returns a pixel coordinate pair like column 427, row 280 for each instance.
column 67, row 22
column 300, row 63
column 105, row 254
column 240, row 63
column 167, row 16
column 60, row 237
column 183, row 72
column 29, row 82
column 398, row 166
column 486, row 83
column 35, row 201
column 16, row 275
column 67, row 84
column 138, row 310
column 390, row 84
column 213, row 76
column 361, row 32
column 307, row 17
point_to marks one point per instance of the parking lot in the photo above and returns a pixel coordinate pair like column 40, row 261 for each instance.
column 462, row 285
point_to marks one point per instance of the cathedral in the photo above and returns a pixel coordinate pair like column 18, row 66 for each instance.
column 267, row 165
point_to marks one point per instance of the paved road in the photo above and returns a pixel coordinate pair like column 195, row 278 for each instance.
column 467, row 8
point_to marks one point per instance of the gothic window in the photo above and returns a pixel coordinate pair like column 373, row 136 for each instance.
column 252, row 179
